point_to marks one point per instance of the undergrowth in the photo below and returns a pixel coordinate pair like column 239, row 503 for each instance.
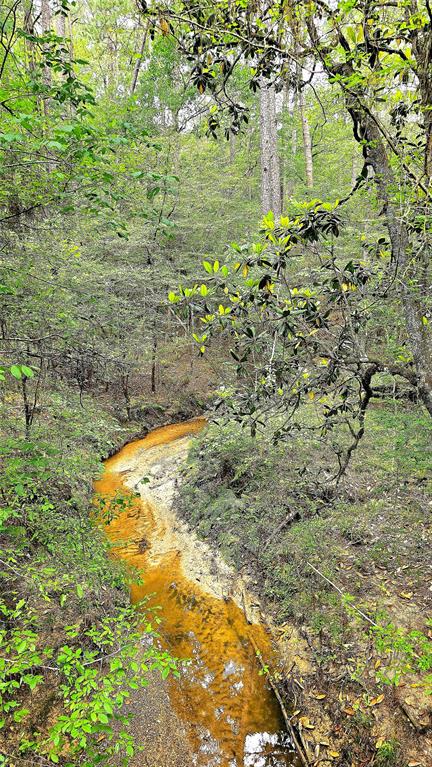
column 263, row 505
column 71, row 648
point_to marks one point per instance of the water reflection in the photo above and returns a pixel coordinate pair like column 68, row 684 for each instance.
column 265, row 749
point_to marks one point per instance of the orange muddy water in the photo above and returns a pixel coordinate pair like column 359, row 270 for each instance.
column 233, row 717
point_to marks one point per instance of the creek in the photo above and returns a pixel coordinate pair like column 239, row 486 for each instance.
column 232, row 715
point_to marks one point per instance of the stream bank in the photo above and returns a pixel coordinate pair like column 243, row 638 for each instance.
column 245, row 498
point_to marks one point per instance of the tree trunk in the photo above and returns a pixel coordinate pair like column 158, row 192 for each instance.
column 60, row 21
column 125, row 388
column 45, row 21
column 270, row 168
column 154, row 362
column 285, row 108
column 232, row 147
column 138, row 63
column 410, row 273
column 412, row 270
column 28, row 26
column 27, row 407
column 70, row 35
column 307, row 142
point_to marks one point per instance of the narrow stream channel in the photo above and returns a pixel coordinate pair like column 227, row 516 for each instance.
column 233, row 717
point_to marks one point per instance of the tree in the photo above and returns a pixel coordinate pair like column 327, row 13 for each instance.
column 368, row 49
column 270, row 168
column 358, row 46
column 307, row 141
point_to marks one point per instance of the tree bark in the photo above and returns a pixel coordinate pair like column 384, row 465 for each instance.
column 28, row 26
column 307, row 141
column 60, row 21
column 232, row 147
column 270, row 166
column 45, row 21
column 154, row 361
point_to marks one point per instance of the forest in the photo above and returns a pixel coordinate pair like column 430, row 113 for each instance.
column 215, row 383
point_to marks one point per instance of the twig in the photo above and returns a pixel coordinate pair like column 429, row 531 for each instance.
column 299, row 744
column 363, row 615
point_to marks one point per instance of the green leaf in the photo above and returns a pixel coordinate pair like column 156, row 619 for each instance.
column 16, row 371
column 207, row 266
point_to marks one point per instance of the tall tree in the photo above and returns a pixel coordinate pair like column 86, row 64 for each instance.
column 45, row 23
column 402, row 179
column 307, row 140
column 367, row 51
column 270, row 165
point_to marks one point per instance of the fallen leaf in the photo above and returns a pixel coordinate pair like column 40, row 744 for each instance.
column 376, row 701
column 325, row 742
column 305, row 722
column 377, row 663
column 334, row 754
column 415, row 764
column 318, row 695
column 379, row 743
column 349, row 710
column 406, row 594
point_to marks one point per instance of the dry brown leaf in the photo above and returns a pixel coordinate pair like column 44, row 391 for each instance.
column 349, row 711
column 415, row 764
column 376, row 701
column 324, row 742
